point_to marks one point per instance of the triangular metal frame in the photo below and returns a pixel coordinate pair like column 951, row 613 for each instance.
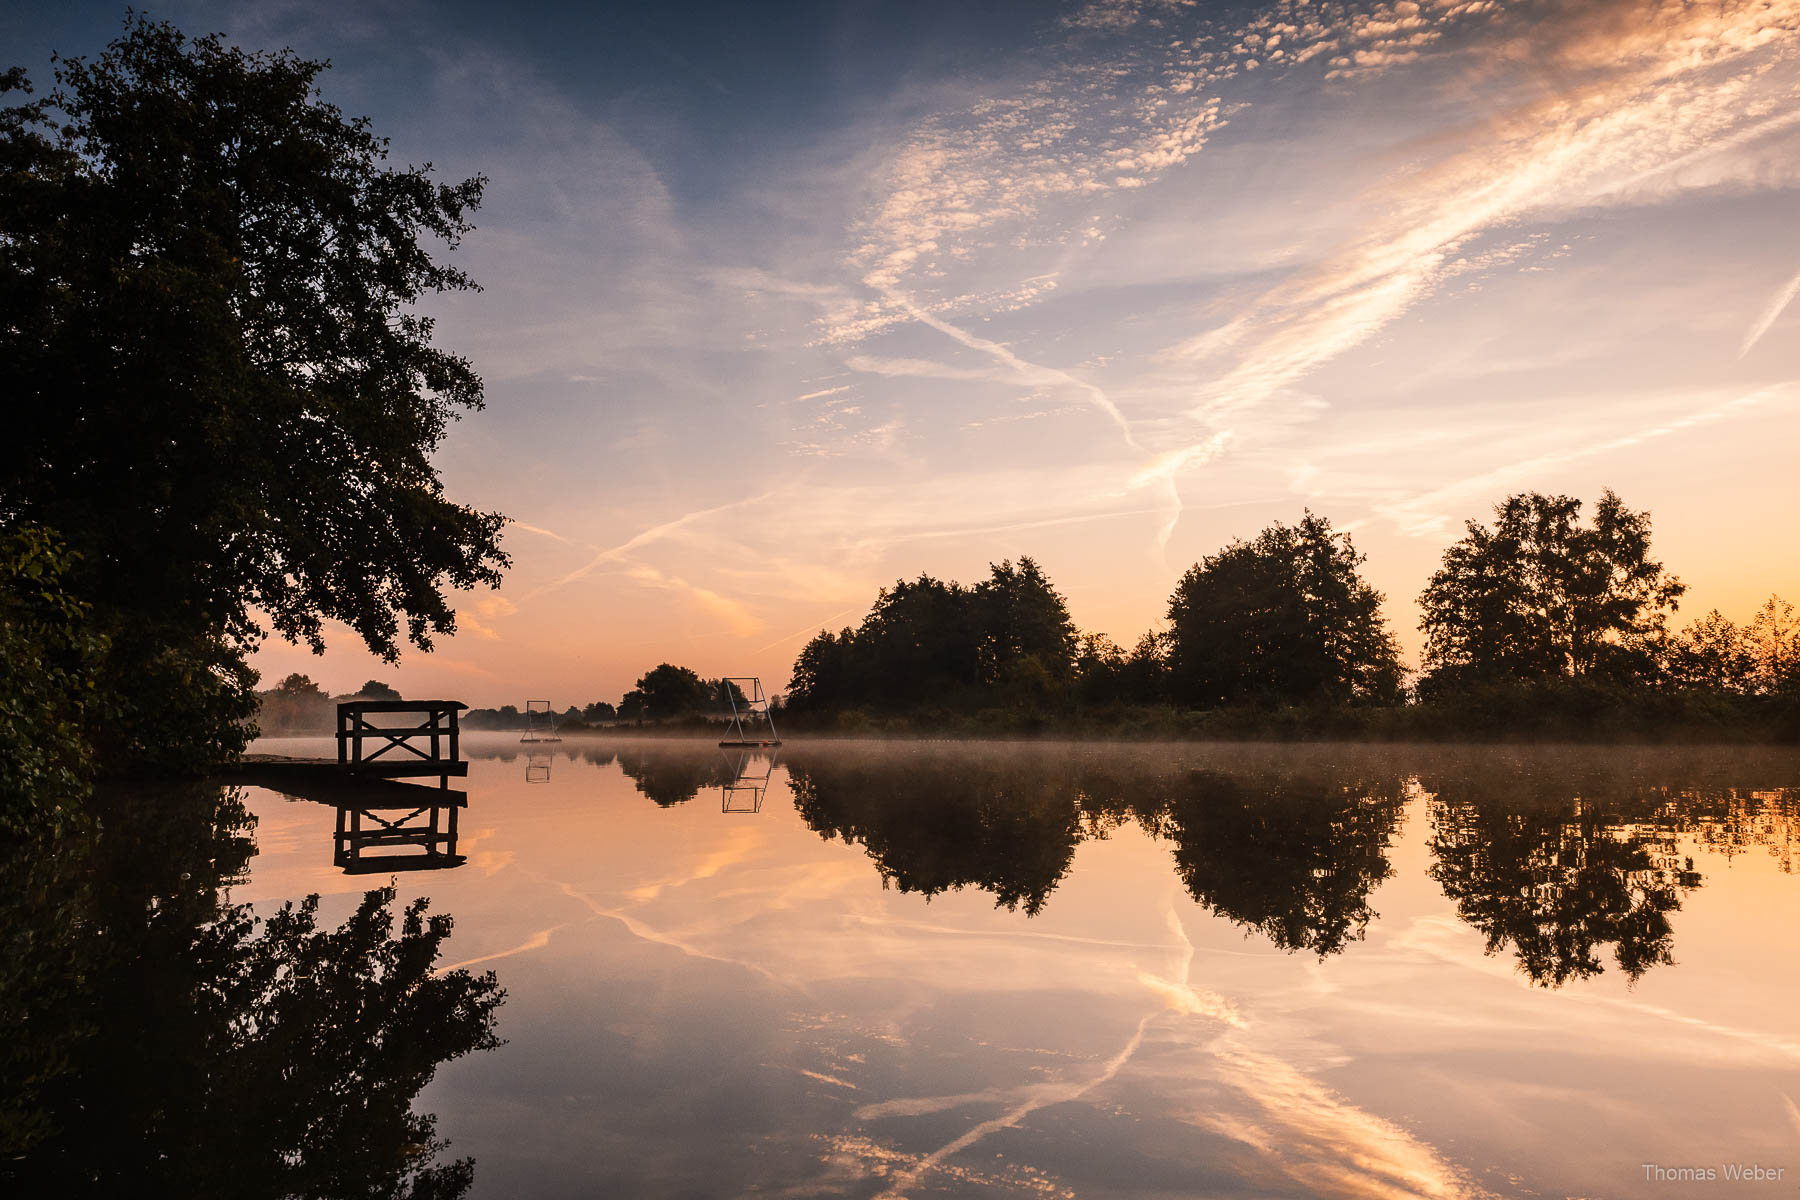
column 756, row 704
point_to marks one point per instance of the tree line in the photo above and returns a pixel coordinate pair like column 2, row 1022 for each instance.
column 1538, row 615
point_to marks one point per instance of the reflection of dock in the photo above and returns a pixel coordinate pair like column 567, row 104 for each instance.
column 429, row 824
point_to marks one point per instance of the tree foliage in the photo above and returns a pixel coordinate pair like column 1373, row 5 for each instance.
column 1286, row 617
column 926, row 642
column 222, row 399
column 1542, row 596
column 1760, row 658
column 50, row 655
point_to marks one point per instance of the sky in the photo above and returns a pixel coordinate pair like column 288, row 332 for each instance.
column 785, row 301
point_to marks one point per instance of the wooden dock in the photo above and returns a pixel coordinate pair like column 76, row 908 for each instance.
column 378, row 808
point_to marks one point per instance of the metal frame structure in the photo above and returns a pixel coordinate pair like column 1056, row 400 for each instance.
column 756, row 705
column 540, row 722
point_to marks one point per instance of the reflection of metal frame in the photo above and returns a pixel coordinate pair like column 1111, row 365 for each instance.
column 540, row 722
column 537, row 768
column 430, row 825
column 744, row 794
column 756, row 704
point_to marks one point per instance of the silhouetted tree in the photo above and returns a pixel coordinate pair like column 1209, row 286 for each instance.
column 1541, row 596
column 48, row 655
column 295, row 705
column 1023, row 619
column 164, row 1041
column 927, row 644
column 1285, row 617
column 374, row 689
column 599, row 710
column 218, row 394
column 667, row 691
column 1712, row 655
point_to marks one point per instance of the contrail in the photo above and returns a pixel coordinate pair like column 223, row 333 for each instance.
column 1161, row 469
column 812, row 628
column 538, row 529
column 1777, row 304
column 1027, row 370
column 649, row 535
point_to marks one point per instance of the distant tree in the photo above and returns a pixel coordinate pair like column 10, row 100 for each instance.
column 920, row 644
column 1773, row 645
column 1711, row 655
column 631, row 706
column 300, row 687
column 599, row 710
column 374, row 689
column 1145, row 677
column 1022, row 617
column 723, row 693
column 670, row 691
column 217, row 391
column 930, row 644
column 823, row 677
column 295, row 705
column 1541, row 596
column 1284, row 617
column 1099, row 670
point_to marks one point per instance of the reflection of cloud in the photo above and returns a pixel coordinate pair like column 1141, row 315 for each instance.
column 1330, row 1147
column 1035, row 1097
column 536, row 941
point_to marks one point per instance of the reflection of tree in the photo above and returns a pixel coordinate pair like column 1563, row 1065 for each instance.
column 163, row 1041
column 1730, row 821
column 1006, row 828
column 1293, row 858
column 674, row 775
column 1557, row 877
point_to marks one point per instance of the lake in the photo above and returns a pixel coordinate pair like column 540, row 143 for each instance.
column 1083, row 970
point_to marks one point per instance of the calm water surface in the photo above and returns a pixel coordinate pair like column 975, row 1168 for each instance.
column 1094, row 971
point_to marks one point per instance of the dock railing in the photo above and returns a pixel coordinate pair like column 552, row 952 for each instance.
column 417, row 749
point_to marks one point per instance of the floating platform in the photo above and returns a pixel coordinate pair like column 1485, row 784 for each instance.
column 539, row 739
column 750, row 745
column 323, row 780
